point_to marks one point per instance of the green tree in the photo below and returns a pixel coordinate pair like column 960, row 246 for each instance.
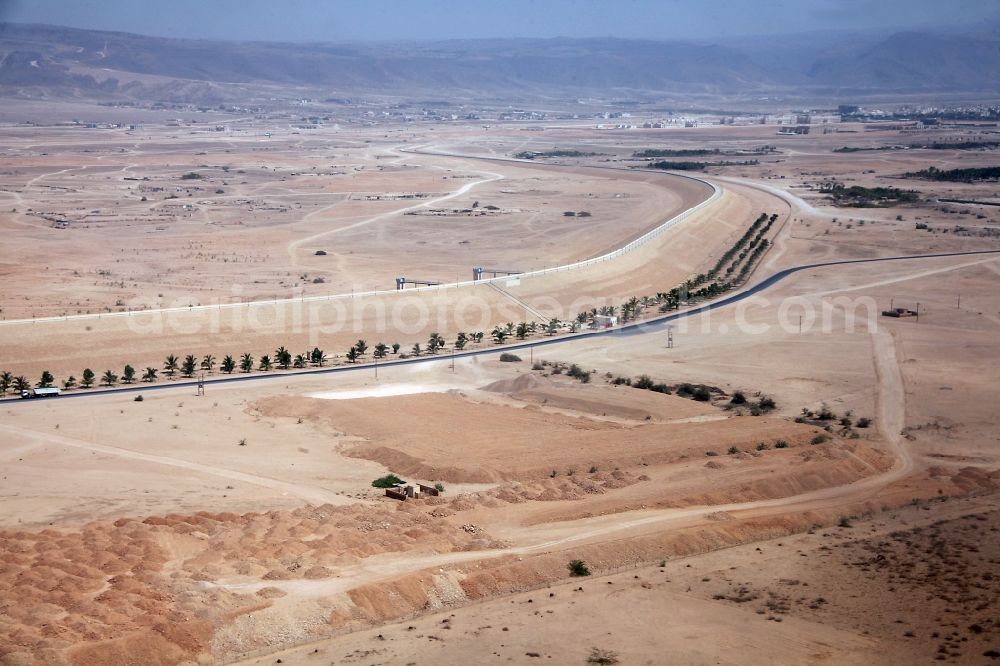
column 69, row 383
column 87, row 378
column 109, row 378
column 317, row 357
column 265, row 363
column 21, row 384
column 128, row 374
column 300, row 361
column 522, row 331
column 552, row 327
column 283, row 357
column 380, row 350
column 6, row 379
column 416, row 349
column 434, row 343
column 246, row 362
column 395, row 347
column 352, row 354
column 207, row 363
column 228, row 364
column 149, row 375
column 361, row 346
column 46, row 380
column 461, row 341
column 170, row 365
column 189, row 366
column 500, row 334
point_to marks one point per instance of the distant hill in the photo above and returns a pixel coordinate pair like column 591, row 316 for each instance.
column 48, row 61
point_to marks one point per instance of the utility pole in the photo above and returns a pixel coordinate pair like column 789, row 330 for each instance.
column 201, row 384
column 800, row 324
column 453, row 359
column 376, row 366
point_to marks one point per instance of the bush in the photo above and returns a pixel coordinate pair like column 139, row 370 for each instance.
column 660, row 388
column 191, row 175
column 701, row 394
column 781, row 444
column 137, row 398
column 825, row 414
column 537, row 366
column 733, row 450
column 819, row 439
column 863, row 422
column 711, row 454
column 618, row 381
column 602, row 657
column 844, row 522
column 320, row 253
column 763, row 446
column 510, row 358
column 767, row 403
column 439, row 487
column 644, row 382
column 738, row 398
column 578, row 568
column 387, row 481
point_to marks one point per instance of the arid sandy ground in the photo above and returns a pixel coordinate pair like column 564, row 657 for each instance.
column 235, row 525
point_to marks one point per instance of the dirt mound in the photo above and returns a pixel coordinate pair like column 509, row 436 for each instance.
column 523, row 382
column 133, row 591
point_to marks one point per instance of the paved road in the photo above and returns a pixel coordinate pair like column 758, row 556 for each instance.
column 655, row 324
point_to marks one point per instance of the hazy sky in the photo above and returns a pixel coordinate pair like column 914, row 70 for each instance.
column 350, row 20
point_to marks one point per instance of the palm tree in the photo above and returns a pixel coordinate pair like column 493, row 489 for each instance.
column 522, row 331
column 170, row 365
column 6, row 379
column 21, row 384
column 352, row 354
column 380, row 350
column 478, row 335
column 228, row 364
column 149, row 375
column 300, row 361
column 500, row 334
column 69, row 383
column 362, row 347
column 434, row 343
column 87, row 378
column 208, row 363
column 128, row 374
column 283, row 357
column 246, row 362
column 46, row 380
column 509, row 328
column 416, row 349
column 317, row 357
column 265, row 363
column 189, row 366
column 461, row 341
column 552, row 327
column 395, row 347
column 109, row 378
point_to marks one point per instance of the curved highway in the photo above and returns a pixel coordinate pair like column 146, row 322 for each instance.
column 634, row 328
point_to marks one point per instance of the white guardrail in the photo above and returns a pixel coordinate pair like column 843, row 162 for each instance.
column 614, row 254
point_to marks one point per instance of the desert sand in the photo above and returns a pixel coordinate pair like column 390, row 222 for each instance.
column 853, row 522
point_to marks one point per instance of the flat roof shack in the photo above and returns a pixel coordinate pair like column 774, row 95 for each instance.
column 428, row 490
column 396, row 494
